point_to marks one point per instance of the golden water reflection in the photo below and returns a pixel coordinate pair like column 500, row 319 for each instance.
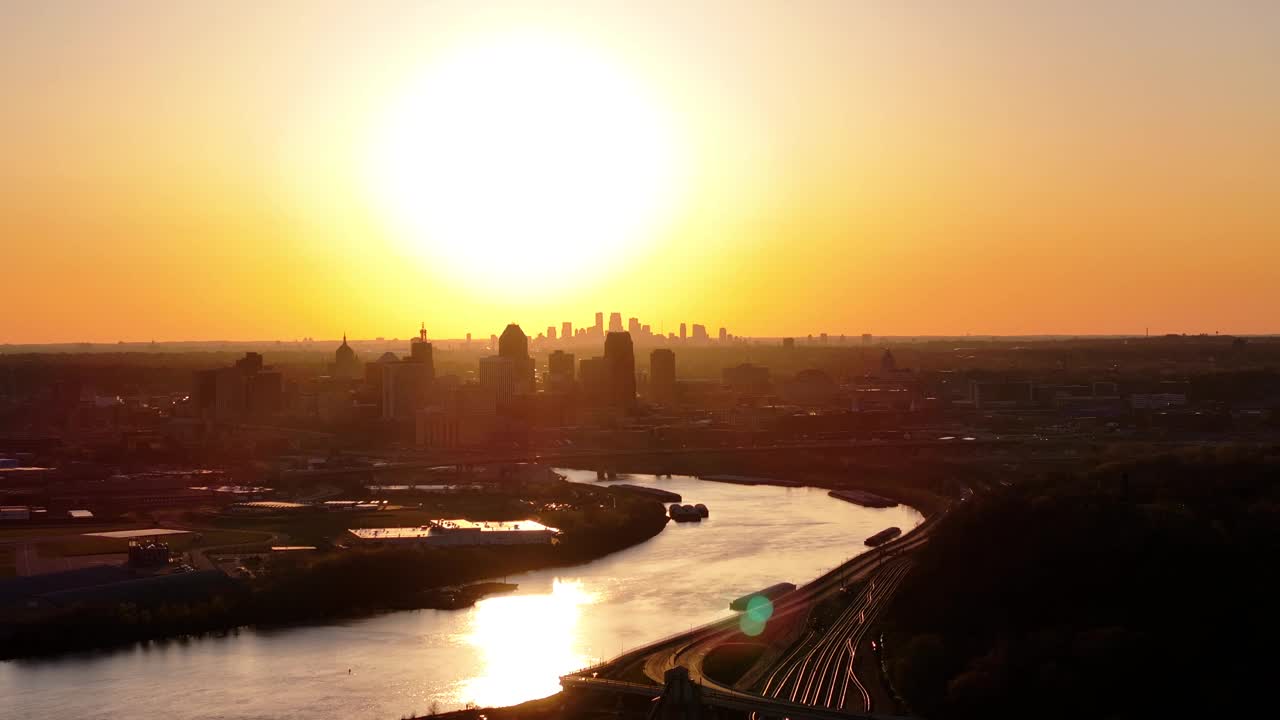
column 526, row 642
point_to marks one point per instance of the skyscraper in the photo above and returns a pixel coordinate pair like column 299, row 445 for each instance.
column 615, row 322
column 551, row 332
column 633, row 326
column 566, row 331
column 594, row 376
column 514, row 346
column 724, row 335
column 620, row 366
column 683, row 336
column 560, row 371
column 599, row 326
column 498, row 377
column 662, row 375
column 700, row 334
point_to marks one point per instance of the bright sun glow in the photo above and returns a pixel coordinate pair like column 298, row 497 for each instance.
column 528, row 642
column 525, row 155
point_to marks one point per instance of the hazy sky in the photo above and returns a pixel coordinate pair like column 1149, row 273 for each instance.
column 199, row 170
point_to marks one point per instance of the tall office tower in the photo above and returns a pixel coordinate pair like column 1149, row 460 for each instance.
column 620, row 364
column 423, row 358
column 560, row 371
column 683, row 337
column 615, row 322
column 724, row 335
column 566, row 331
column 498, row 377
column 514, row 346
column 700, row 334
column 633, row 326
column 662, row 376
column 551, row 332
column 598, row 329
column 594, row 376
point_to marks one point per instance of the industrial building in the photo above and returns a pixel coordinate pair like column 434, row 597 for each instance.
column 458, row 533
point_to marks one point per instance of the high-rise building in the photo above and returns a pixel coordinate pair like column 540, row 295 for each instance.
column 551, row 332
column 560, row 371
column 683, row 337
column 498, row 377
column 633, row 326
column 662, row 375
column 724, row 335
column 700, row 334
column 615, row 322
column 594, row 376
column 246, row 390
column 599, row 326
column 422, row 356
column 566, row 331
column 620, row 365
column 514, row 345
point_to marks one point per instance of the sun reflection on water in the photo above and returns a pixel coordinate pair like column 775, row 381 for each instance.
column 526, row 642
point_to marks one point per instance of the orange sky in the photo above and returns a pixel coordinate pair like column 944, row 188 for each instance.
column 200, row 171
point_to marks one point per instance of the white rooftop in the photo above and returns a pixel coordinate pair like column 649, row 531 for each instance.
column 447, row 525
column 148, row 532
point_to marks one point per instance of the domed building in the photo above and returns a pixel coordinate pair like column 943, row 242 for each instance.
column 345, row 363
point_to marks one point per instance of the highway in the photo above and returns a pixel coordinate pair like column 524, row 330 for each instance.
column 816, row 678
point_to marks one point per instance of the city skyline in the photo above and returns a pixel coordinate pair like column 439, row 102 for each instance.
column 1004, row 169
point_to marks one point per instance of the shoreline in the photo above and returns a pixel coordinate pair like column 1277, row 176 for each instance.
column 65, row 631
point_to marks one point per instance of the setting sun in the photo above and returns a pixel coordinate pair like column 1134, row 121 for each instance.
column 523, row 154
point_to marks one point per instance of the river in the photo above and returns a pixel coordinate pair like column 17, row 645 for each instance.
column 505, row 650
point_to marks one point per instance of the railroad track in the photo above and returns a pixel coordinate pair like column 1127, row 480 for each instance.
column 819, row 668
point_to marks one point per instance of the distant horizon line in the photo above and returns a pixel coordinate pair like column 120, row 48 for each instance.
column 850, row 339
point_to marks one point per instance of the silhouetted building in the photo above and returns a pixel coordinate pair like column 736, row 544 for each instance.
column 345, row 363
column 747, row 378
column 662, row 375
column 560, row 371
column 788, row 343
column 620, row 361
column 724, row 335
column 887, row 363
column 615, row 322
column 566, row 331
column 633, row 326
column 237, row 393
column 700, row 333
column 594, row 376
column 514, row 346
column 683, row 336
column 551, row 332
column 498, row 376
column 598, row 330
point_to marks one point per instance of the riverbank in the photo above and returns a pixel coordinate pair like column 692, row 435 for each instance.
column 334, row 586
